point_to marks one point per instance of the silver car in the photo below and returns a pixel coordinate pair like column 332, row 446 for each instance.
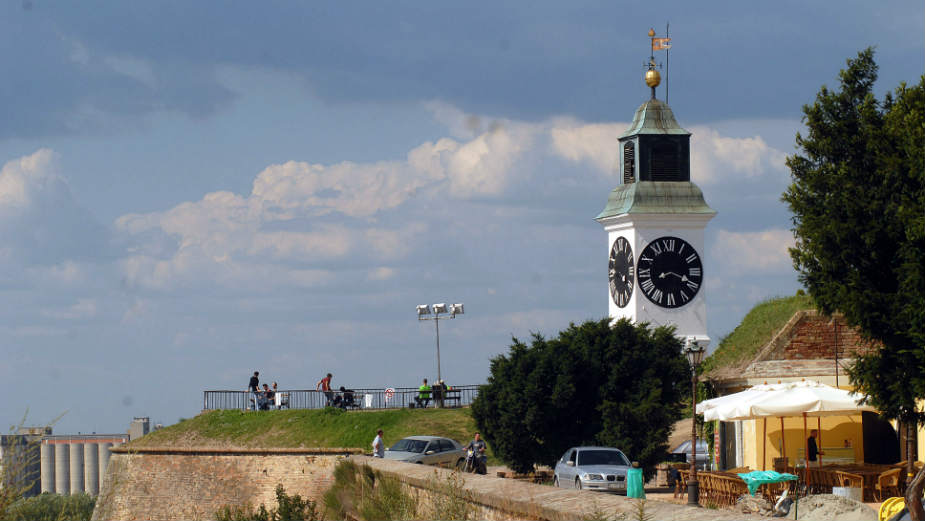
column 427, row 450
column 592, row 468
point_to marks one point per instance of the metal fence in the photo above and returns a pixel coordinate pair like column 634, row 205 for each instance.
column 393, row 398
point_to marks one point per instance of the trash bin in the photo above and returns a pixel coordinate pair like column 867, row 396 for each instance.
column 634, row 484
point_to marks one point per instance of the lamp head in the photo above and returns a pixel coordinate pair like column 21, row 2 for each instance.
column 423, row 309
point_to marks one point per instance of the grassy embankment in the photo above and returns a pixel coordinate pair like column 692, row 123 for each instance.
column 309, row 428
column 755, row 331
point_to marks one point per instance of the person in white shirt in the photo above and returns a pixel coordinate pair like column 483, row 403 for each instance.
column 378, row 445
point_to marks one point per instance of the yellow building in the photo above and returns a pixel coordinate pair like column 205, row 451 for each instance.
column 807, row 346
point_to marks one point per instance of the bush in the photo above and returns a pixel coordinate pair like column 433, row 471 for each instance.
column 619, row 385
column 364, row 493
column 288, row 508
column 52, row 507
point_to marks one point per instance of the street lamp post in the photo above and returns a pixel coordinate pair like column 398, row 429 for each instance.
column 694, row 352
column 424, row 310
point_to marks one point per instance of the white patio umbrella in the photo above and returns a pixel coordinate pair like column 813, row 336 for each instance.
column 805, row 398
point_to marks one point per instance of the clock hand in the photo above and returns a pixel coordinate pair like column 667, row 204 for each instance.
column 664, row 274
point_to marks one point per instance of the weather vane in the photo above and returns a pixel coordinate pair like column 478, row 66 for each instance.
column 653, row 78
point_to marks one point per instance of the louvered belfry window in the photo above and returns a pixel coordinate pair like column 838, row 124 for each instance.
column 666, row 164
column 629, row 162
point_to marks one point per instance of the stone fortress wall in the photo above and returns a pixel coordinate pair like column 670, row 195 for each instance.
column 192, row 484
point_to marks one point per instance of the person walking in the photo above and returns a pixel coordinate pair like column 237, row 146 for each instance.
column 254, row 387
column 378, row 445
column 324, row 385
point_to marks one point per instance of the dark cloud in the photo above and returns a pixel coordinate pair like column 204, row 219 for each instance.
column 729, row 61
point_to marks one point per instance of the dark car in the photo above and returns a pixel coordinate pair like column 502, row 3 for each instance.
column 682, row 453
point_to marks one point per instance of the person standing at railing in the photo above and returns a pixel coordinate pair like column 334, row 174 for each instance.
column 324, row 385
column 254, row 387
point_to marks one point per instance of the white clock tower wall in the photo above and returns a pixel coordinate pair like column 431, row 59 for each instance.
column 658, row 210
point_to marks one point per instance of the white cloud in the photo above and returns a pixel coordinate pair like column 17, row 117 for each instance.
column 741, row 253
column 40, row 222
column 381, row 273
column 482, row 166
column 596, row 143
column 716, row 158
column 83, row 308
column 303, row 218
column 21, row 179
column 134, row 68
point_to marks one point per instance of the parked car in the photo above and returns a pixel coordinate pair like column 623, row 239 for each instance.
column 683, row 453
column 428, row 450
column 592, row 468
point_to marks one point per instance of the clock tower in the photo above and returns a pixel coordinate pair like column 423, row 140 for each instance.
column 655, row 221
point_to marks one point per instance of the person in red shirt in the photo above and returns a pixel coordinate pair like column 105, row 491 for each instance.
column 324, row 385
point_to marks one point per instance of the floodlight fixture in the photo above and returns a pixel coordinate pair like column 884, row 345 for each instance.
column 440, row 308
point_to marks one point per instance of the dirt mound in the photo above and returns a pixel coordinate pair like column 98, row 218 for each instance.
column 824, row 507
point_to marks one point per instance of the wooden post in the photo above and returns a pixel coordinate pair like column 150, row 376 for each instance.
column 819, row 441
column 805, row 444
column 764, row 450
column 783, row 443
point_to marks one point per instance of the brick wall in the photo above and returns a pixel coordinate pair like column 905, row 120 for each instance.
column 814, row 337
column 193, row 484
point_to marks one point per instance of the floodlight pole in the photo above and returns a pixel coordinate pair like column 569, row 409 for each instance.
column 437, row 327
column 454, row 309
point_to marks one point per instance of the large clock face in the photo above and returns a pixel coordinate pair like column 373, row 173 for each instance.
column 670, row 272
column 621, row 272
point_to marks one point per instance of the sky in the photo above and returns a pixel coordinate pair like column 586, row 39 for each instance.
column 192, row 191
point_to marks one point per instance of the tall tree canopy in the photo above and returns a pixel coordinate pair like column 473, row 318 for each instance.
column 858, row 203
column 594, row 384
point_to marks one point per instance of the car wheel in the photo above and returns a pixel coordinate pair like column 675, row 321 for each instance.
column 555, row 481
column 577, row 483
column 419, row 462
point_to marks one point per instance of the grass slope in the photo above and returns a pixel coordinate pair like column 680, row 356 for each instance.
column 755, row 331
column 309, row 428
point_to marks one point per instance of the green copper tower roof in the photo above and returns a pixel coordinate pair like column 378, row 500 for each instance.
column 662, row 197
column 654, row 117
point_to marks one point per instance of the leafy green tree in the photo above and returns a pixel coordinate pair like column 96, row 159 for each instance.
column 598, row 383
column 858, row 203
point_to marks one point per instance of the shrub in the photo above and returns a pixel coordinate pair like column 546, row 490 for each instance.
column 288, row 508
column 52, row 507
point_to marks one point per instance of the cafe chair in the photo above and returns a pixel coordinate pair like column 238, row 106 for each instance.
column 887, row 482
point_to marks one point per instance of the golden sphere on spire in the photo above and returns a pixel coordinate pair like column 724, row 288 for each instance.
column 651, row 33
column 653, row 78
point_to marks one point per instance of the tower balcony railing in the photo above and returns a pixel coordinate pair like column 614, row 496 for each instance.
column 367, row 398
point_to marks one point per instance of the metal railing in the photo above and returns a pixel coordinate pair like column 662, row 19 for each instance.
column 399, row 397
